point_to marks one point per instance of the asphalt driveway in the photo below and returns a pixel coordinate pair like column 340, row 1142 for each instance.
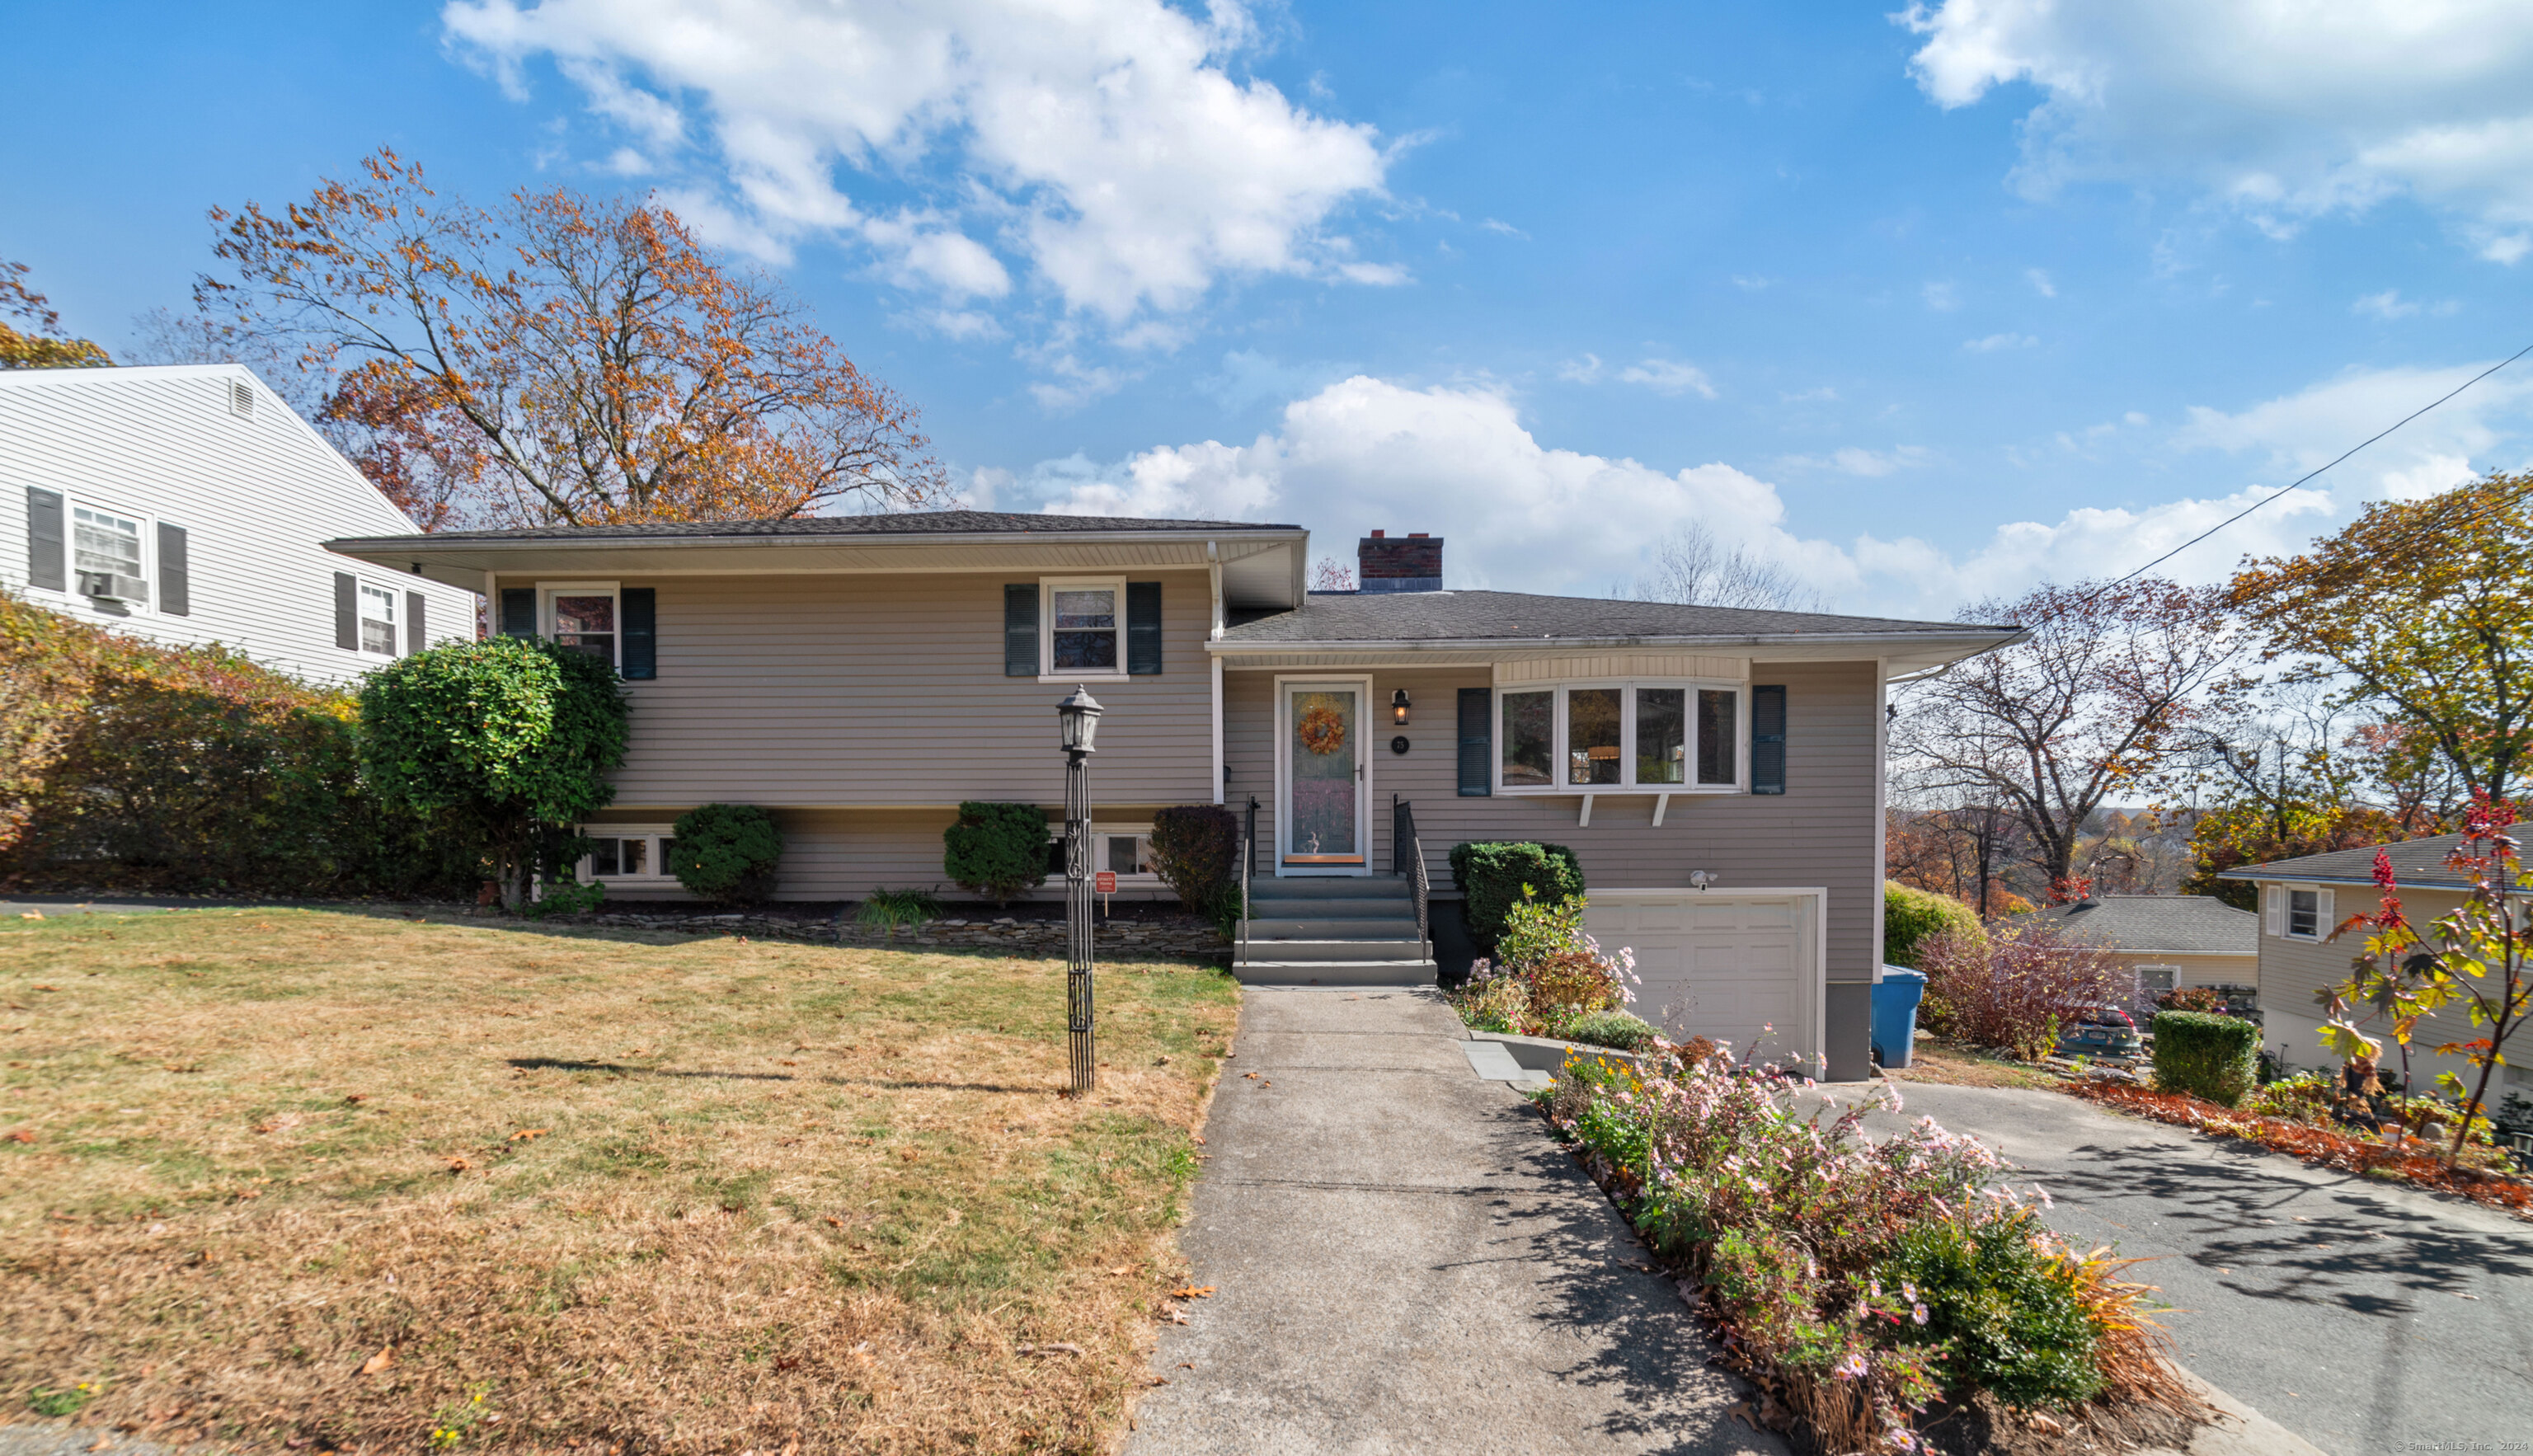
column 2362, row 1316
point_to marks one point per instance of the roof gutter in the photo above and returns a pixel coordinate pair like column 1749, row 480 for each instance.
column 1230, row 648
column 408, row 545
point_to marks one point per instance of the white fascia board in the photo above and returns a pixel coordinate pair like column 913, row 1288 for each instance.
column 1776, row 646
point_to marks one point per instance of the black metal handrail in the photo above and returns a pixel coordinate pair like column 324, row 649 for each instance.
column 1248, row 868
column 1407, row 859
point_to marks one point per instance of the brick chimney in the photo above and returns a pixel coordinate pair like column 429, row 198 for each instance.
column 1409, row 563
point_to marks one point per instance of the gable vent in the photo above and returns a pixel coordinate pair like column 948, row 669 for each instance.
column 242, row 399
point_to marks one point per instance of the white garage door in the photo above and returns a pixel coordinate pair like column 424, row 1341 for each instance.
column 1742, row 968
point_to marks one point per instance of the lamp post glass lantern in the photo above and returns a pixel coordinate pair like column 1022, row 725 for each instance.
column 1077, row 720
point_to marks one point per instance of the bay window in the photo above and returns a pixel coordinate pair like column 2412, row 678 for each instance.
column 1599, row 737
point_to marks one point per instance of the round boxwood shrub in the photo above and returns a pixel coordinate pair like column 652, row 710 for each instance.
column 1911, row 916
column 1491, row 874
column 996, row 851
column 726, row 852
column 2205, row 1056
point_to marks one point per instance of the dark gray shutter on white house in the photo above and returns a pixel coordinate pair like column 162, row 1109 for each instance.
column 1020, row 629
column 414, row 640
column 1767, row 740
column 347, row 612
column 1142, row 628
column 175, row 573
column 1477, row 742
column 47, row 543
column 641, row 609
column 518, row 611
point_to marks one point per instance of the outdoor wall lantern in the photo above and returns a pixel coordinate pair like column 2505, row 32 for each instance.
column 1398, row 707
column 1078, row 718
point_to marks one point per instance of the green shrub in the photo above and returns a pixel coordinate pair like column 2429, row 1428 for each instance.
column 2006, row 1308
column 2205, row 1056
column 567, row 895
column 1491, row 874
column 727, row 854
column 2306, row 1098
column 500, row 743
column 1612, row 1029
column 996, row 851
column 1195, row 851
column 886, row 910
column 1911, row 916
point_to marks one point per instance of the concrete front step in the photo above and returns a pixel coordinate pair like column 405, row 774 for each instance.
column 1335, row 972
column 1331, row 910
column 1409, row 948
column 1333, row 887
column 1366, row 927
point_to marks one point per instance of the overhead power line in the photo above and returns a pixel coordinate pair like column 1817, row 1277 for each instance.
column 2309, row 475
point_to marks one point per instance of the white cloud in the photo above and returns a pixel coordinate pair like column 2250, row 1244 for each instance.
column 1943, row 298
column 2285, row 109
column 1103, row 143
column 1583, row 371
column 1995, row 341
column 1498, row 225
column 2039, row 278
column 1667, row 376
column 2296, row 432
column 2385, row 305
column 1750, row 282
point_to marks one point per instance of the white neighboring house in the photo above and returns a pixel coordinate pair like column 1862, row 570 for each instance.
column 186, row 504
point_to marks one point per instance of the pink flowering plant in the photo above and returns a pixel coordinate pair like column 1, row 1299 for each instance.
column 1863, row 1280
column 1547, row 974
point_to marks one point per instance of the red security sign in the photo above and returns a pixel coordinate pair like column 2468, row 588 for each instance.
column 1105, row 882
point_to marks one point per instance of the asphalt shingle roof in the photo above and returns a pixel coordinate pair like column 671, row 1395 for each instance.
column 1410, row 617
column 2161, row 922
column 2414, row 862
column 905, row 523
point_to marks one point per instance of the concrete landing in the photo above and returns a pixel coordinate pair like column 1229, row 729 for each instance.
column 1403, row 1261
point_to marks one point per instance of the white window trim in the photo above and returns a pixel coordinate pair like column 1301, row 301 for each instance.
column 362, row 586
column 2321, row 914
column 1558, row 764
column 657, row 878
column 1047, row 587
column 72, row 503
column 1103, row 831
column 547, row 590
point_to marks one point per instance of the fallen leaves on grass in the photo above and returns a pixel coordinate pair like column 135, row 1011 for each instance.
column 527, row 1134
column 2318, row 1145
column 379, row 1362
column 1192, row 1292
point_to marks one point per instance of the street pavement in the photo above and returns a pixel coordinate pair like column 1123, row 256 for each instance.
column 2363, row 1316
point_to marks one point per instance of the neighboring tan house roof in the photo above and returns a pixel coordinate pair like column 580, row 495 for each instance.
column 2415, row 862
column 2161, row 924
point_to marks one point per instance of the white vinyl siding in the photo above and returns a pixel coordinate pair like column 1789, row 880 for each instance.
column 257, row 495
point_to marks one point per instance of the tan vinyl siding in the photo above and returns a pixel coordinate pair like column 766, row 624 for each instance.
column 884, row 690
column 2192, row 968
column 847, row 853
column 1823, row 830
column 2295, row 971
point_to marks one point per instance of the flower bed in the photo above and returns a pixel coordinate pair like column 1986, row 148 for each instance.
column 2326, row 1147
column 1884, row 1296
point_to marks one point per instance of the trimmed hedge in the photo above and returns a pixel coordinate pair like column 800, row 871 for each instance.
column 996, row 851
column 1492, row 872
column 129, row 766
column 1912, row 916
column 727, row 854
column 1625, row 1030
column 1195, row 851
column 2205, row 1056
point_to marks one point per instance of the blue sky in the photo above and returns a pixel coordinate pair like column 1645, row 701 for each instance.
column 1924, row 306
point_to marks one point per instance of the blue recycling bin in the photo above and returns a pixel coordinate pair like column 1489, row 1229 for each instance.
column 1895, row 1013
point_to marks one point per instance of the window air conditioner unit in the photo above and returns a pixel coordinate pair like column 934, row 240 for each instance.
column 114, row 585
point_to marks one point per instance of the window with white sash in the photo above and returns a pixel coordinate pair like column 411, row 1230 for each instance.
column 1631, row 735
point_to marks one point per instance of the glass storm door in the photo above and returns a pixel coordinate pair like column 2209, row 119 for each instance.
column 1324, row 822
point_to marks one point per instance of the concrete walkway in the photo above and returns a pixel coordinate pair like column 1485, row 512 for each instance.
column 1404, row 1262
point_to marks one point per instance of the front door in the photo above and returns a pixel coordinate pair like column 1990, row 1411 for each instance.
column 1326, row 828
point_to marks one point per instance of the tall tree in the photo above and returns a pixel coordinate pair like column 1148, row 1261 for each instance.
column 1691, row 566
column 2092, row 702
column 40, row 345
column 561, row 360
column 2426, row 608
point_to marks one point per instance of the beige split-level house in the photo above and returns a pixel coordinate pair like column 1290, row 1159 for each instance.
column 862, row 676
column 2302, row 901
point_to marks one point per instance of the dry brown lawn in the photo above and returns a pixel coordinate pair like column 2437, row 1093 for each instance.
column 1964, row 1066
column 316, row 1181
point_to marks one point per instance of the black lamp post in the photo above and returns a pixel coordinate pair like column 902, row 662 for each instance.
column 1078, row 716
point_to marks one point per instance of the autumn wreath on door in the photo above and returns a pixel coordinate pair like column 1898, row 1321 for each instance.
column 1322, row 730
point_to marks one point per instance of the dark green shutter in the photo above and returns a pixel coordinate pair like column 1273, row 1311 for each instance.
column 1142, row 628
column 415, row 640
column 1477, row 742
column 1767, row 740
column 347, row 612
column 518, row 611
column 1020, row 629
column 641, row 605
column 47, row 545
column 175, row 578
